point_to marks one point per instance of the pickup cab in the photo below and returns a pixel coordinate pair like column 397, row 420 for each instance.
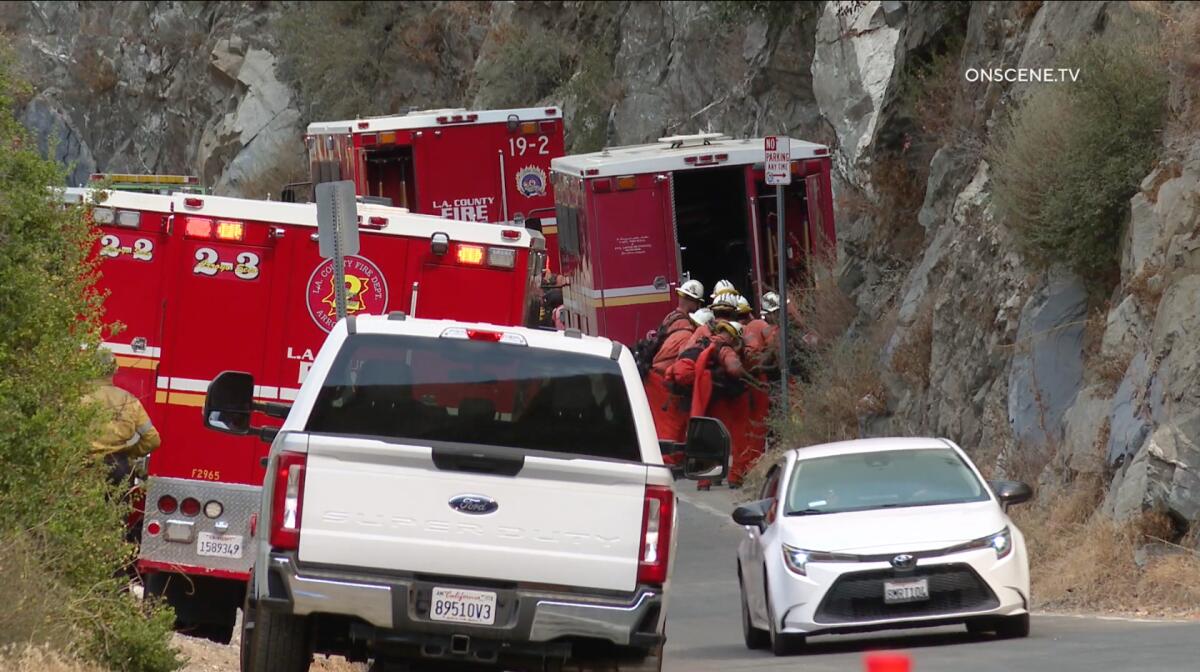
column 461, row 493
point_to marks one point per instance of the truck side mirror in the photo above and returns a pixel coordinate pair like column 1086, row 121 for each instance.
column 706, row 451
column 229, row 403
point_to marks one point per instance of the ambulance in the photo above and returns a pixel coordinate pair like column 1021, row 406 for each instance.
column 203, row 284
column 476, row 166
column 634, row 222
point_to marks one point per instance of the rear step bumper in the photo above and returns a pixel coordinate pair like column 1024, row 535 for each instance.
column 400, row 604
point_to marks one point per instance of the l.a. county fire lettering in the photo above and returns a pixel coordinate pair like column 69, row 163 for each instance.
column 465, row 209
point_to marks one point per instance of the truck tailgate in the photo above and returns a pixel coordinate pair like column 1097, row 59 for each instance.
column 385, row 505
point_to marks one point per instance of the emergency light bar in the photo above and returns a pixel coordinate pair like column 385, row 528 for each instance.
column 145, row 179
column 470, row 254
column 126, row 218
column 217, row 229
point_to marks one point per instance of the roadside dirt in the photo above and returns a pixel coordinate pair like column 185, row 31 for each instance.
column 207, row 656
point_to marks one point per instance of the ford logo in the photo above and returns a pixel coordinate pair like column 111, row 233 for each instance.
column 476, row 505
column 904, row 561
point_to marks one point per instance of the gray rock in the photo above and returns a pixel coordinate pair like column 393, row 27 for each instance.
column 1124, row 329
column 949, row 172
column 1129, row 421
column 1176, row 346
column 1047, row 368
column 853, row 71
column 53, row 129
column 1147, row 553
column 1083, row 423
column 1162, row 476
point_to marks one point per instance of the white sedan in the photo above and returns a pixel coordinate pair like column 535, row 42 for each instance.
column 880, row 533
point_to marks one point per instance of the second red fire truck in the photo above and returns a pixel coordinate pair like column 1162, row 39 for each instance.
column 204, row 284
column 476, row 166
column 636, row 221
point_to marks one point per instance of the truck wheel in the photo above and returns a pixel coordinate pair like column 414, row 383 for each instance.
column 1013, row 627
column 275, row 642
column 652, row 661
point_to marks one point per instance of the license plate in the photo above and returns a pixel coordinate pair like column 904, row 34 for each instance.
column 456, row 605
column 897, row 592
column 219, row 545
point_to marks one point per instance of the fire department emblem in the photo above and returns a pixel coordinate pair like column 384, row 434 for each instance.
column 366, row 291
column 531, row 181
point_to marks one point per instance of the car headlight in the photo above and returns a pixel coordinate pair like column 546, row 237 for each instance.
column 1001, row 542
column 797, row 559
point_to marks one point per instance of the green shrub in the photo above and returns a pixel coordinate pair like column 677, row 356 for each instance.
column 56, row 508
column 525, row 64
column 354, row 58
column 1073, row 153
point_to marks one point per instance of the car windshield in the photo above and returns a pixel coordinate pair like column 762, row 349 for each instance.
column 477, row 392
column 881, row 479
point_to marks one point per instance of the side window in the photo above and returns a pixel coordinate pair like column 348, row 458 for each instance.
column 771, row 487
column 771, row 491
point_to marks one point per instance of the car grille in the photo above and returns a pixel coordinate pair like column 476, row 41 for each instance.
column 858, row 596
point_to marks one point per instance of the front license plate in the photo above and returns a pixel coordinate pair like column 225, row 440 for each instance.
column 219, row 545
column 456, row 605
column 897, row 592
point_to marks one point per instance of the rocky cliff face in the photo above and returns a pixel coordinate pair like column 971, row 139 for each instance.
column 1014, row 354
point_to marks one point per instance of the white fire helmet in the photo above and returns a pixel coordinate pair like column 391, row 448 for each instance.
column 743, row 306
column 770, row 303
column 730, row 327
column 726, row 302
column 701, row 317
column 723, row 287
column 693, row 289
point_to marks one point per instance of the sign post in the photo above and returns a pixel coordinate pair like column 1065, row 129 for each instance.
column 777, row 154
column 337, row 232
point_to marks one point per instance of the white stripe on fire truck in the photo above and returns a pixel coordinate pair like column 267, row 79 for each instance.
column 197, row 385
column 127, row 349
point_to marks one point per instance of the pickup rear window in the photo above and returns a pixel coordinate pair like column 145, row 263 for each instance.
column 477, row 392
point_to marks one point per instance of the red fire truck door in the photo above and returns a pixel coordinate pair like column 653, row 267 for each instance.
column 217, row 312
column 132, row 263
column 635, row 238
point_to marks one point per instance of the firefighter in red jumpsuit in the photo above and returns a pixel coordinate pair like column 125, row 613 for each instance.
column 691, row 295
column 667, row 403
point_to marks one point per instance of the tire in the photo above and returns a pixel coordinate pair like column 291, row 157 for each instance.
column 782, row 643
column 1013, row 627
column 755, row 638
column 275, row 642
column 651, row 662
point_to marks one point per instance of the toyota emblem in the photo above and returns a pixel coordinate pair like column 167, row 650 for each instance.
column 904, row 561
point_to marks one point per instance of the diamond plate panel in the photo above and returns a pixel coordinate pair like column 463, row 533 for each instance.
column 240, row 502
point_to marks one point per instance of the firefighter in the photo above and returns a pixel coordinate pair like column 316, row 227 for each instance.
column 127, row 434
column 745, row 313
column 668, row 404
column 722, row 288
column 691, row 295
column 725, row 305
column 720, row 390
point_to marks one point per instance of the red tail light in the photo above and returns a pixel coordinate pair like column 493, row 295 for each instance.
column 288, row 501
column 190, row 507
column 481, row 335
column 657, row 519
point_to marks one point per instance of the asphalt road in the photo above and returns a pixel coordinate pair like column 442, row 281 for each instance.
column 704, row 626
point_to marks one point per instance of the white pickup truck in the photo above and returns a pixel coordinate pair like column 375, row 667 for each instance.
column 463, row 494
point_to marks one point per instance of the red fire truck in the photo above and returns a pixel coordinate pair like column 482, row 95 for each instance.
column 205, row 284
column 635, row 221
column 483, row 166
